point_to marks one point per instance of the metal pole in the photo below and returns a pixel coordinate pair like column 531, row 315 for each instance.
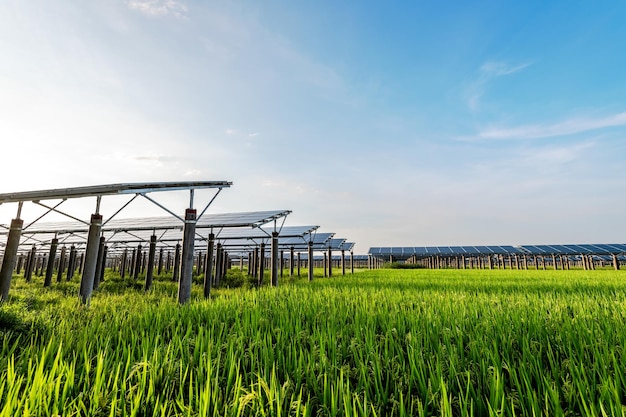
column 176, row 268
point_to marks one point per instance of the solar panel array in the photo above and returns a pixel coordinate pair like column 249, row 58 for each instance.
column 426, row 251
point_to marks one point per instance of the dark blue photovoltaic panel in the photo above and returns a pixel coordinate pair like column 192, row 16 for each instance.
column 589, row 248
column 471, row 250
column 445, row 250
column 458, row 250
column 432, row 250
column 483, row 249
column 420, row 251
column 505, row 250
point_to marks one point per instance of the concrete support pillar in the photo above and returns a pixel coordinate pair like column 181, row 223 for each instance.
column 123, row 264
column 10, row 255
column 51, row 257
column 168, row 262
column 352, row 262
column 208, row 270
column 330, row 262
column 525, row 262
column 199, row 264
column 62, row 262
column 310, row 260
column 91, row 258
column 30, row 266
column 291, row 261
column 261, row 263
column 343, row 262
column 72, row 263
column 255, row 261
column 144, row 259
column 325, row 265
column 299, row 260
column 219, row 267
column 99, row 263
column 186, row 262
column 176, row 267
column 137, row 267
column 150, row 269
column 281, row 262
column 160, row 265
column 275, row 262
column 615, row 262
column 105, row 251
column 554, row 264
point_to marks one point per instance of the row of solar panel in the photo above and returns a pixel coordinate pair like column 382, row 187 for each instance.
column 421, row 251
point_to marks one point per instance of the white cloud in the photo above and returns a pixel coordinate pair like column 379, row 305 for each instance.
column 159, row 7
column 489, row 71
column 536, row 131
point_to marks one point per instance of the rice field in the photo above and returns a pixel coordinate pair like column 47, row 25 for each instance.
column 378, row 343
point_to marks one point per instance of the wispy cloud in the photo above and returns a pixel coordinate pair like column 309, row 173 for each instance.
column 535, row 131
column 488, row 71
column 159, row 7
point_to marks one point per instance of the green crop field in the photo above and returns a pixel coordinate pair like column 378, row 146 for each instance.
column 379, row 343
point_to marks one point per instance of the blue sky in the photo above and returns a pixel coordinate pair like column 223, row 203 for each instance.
column 389, row 123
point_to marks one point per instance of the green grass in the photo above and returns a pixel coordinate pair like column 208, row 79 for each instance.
column 385, row 342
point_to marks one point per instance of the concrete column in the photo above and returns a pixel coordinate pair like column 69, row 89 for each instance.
column 144, row 259
column 71, row 263
column 219, row 268
column 275, row 262
column 281, row 262
column 62, row 262
column 20, row 262
column 99, row 262
column 615, row 262
column 343, row 262
column 51, row 257
column 91, row 258
column 299, row 260
column 261, row 263
column 168, row 262
column 208, row 270
column 105, row 251
column 137, row 267
column 176, row 267
column 325, row 265
column 186, row 261
column 199, row 264
column 352, row 262
column 150, row 269
column 123, row 265
column 330, row 262
column 160, row 266
column 310, row 260
column 10, row 255
column 554, row 264
column 241, row 262
column 28, row 273
column 291, row 260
